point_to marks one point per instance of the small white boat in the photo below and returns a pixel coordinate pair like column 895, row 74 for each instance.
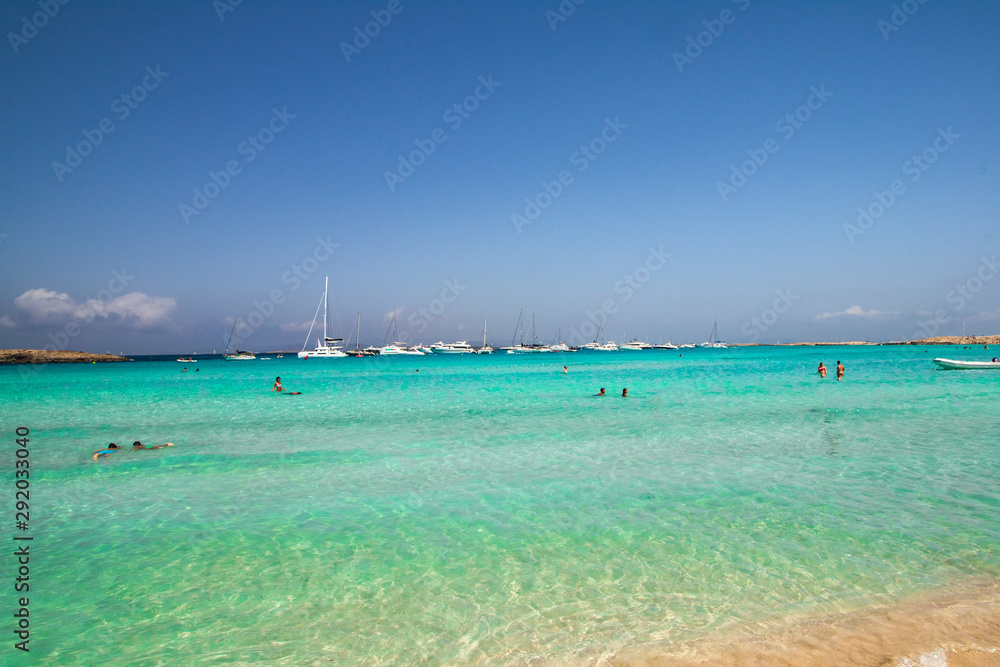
column 186, row 360
column 666, row 346
column 953, row 365
column 608, row 346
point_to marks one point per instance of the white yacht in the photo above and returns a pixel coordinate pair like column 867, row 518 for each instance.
column 400, row 348
column 458, row 347
column 326, row 347
column 665, row 346
column 607, row 346
column 635, row 345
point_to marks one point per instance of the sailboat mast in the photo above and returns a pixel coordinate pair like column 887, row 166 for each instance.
column 326, row 301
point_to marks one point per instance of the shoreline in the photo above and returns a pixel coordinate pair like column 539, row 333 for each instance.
column 957, row 625
column 28, row 356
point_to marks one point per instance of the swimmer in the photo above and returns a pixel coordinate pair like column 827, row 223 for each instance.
column 108, row 451
column 565, row 370
column 624, row 393
column 138, row 445
column 821, row 370
column 600, row 393
column 277, row 385
column 840, row 370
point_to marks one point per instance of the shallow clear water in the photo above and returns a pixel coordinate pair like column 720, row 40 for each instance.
column 489, row 509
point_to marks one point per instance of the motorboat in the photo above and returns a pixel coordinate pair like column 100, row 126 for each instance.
column 400, row 348
column 458, row 347
column 954, row 365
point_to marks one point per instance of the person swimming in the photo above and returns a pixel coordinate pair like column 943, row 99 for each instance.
column 138, row 445
column 600, row 393
column 624, row 393
column 108, row 451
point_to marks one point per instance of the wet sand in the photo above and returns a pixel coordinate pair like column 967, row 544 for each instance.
column 957, row 627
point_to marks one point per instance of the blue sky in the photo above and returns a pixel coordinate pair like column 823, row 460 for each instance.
column 689, row 162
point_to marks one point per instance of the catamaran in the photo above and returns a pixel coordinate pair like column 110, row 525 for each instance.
column 326, row 348
column 240, row 354
column 712, row 342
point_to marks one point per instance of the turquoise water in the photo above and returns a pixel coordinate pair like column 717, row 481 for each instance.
column 489, row 510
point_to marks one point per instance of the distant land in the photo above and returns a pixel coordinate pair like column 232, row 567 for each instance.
column 54, row 357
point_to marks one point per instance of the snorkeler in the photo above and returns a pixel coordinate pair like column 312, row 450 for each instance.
column 139, row 445
column 108, row 451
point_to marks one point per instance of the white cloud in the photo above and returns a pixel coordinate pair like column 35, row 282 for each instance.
column 858, row 311
column 135, row 309
column 42, row 305
column 293, row 327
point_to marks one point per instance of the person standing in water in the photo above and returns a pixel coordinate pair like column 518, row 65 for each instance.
column 624, row 393
column 600, row 393
column 277, row 385
column 840, row 369
column 821, row 370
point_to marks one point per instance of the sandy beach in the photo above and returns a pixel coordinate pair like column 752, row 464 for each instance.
column 957, row 627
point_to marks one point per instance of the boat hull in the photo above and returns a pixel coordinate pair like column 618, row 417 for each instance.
column 953, row 365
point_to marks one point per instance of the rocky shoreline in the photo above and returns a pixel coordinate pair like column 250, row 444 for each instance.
column 54, row 357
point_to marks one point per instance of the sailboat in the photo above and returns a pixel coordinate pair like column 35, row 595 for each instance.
column 485, row 349
column 357, row 351
column 240, row 355
column 533, row 347
column 712, row 342
column 326, row 348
